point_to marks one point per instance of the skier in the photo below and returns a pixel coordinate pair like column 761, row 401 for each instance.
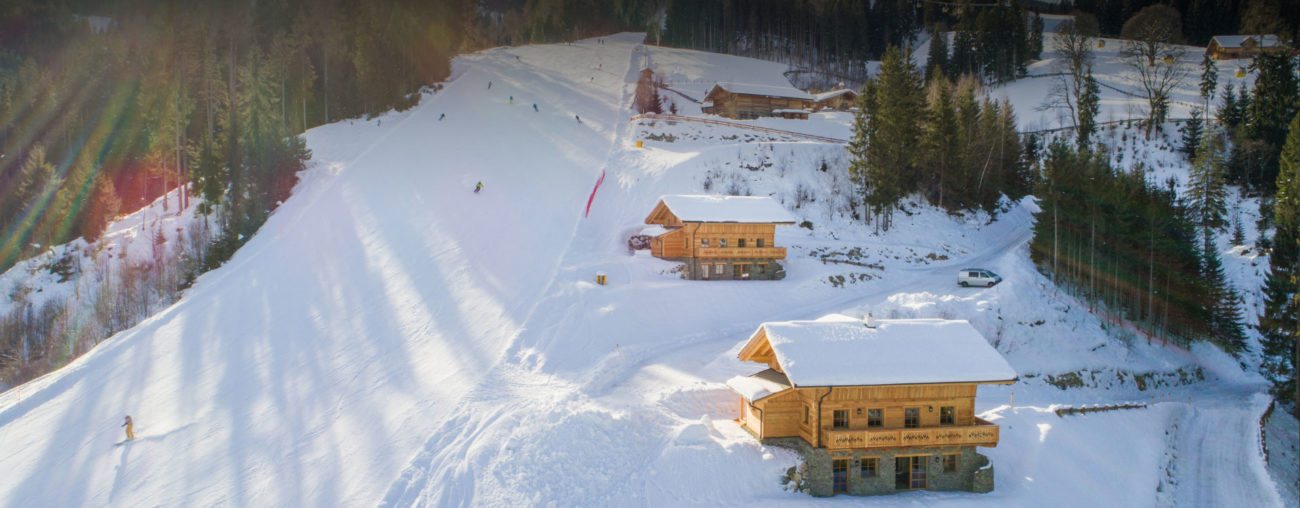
column 478, row 187
column 489, row 85
column 575, row 117
column 440, row 117
column 512, row 99
column 130, row 428
column 535, row 110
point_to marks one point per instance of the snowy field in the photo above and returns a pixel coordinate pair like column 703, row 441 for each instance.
column 391, row 338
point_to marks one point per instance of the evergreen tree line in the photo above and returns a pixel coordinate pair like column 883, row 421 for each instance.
column 1279, row 325
column 832, row 37
column 1133, row 249
column 962, row 153
column 1257, row 122
column 995, row 43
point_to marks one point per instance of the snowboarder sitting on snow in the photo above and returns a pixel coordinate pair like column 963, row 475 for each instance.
column 478, row 187
column 130, row 428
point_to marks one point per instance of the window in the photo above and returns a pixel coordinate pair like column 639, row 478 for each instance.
column 704, row 242
column 909, row 472
column 722, row 242
column 950, row 463
column 840, row 419
column 740, row 243
column 840, row 475
column 759, row 243
column 717, row 269
column 912, row 417
column 875, row 418
column 947, row 415
column 870, row 467
column 760, row 268
column 805, row 415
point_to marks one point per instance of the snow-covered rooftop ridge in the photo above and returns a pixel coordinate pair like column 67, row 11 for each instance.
column 1235, row 41
column 743, row 209
column 759, row 385
column 839, row 350
column 764, row 90
column 832, row 94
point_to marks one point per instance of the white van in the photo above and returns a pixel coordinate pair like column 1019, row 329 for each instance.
column 977, row 277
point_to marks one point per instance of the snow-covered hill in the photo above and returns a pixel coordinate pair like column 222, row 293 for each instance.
column 391, row 337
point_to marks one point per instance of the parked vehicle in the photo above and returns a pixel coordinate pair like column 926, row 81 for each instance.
column 977, row 277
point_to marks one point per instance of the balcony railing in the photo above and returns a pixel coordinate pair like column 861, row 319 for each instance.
column 982, row 433
column 740, row 252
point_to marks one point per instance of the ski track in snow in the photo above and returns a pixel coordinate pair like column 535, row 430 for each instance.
column 393, row 338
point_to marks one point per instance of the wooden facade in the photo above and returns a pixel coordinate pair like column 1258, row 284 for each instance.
column 740, row 103
column 718, row 250
column 837, row 100
column 878, row 423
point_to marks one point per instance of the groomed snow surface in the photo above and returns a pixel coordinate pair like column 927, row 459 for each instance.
column 392, row 338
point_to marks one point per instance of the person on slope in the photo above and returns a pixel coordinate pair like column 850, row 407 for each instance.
column 576, row 117
column 130, row 428
column 478, row 187
column 489, row 85
column 535, row 110
column 512, row 99
column 440, row 117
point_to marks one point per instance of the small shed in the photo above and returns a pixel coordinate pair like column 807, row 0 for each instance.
column 836, row 100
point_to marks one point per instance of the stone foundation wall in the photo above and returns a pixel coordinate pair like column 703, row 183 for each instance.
column 771, row 270
column 973, row 473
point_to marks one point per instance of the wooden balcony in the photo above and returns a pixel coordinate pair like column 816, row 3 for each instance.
column 982, row 433
column 740, row 252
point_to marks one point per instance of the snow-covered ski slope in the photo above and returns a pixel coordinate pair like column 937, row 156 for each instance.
column 391, row 338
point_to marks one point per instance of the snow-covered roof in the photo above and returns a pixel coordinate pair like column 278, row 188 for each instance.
column 764, row 90
column 759, row 385
column 801, row 111
column 833, row 93
column 742, row 209
column 653, row 230
column 706, row 104
column 838, row 350
column 1236, row 41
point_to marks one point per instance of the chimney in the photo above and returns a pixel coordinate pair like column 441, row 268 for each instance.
column 869, row 321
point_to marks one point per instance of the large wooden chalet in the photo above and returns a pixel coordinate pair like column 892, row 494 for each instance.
column 719, row 237
column 875, row 406
column 747, row 101
column 1230, row 47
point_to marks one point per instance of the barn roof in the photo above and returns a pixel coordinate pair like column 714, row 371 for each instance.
column 1236, row 41
column 708, row 208
column 763, row 90
column 834, row 93
column 838, row 350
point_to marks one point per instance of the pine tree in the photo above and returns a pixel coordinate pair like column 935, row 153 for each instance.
column 1089, row 108
column 1036, row 38
column 894, row 134
column 1205, row 187
column 937, row 151
column 1229, row 112
column 1280, row 323
column 1209, row 80
column 1222, row 303
column 857, row 147
column 938, row 54
column 1192, row 134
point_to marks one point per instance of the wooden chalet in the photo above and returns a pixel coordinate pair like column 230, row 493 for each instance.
column 876, row 406
column 745, row 101
column 841, row 99
column 719, row 237
column 1230, row 47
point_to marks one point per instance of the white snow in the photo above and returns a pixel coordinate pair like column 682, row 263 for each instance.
column 759, row 385
column 389, row 337
column 839, row 350
column 738, row 209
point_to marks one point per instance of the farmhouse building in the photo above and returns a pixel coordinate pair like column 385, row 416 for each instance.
column 1229, row 47
column 719, row 237
column 874, row 406
column 745, row 101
